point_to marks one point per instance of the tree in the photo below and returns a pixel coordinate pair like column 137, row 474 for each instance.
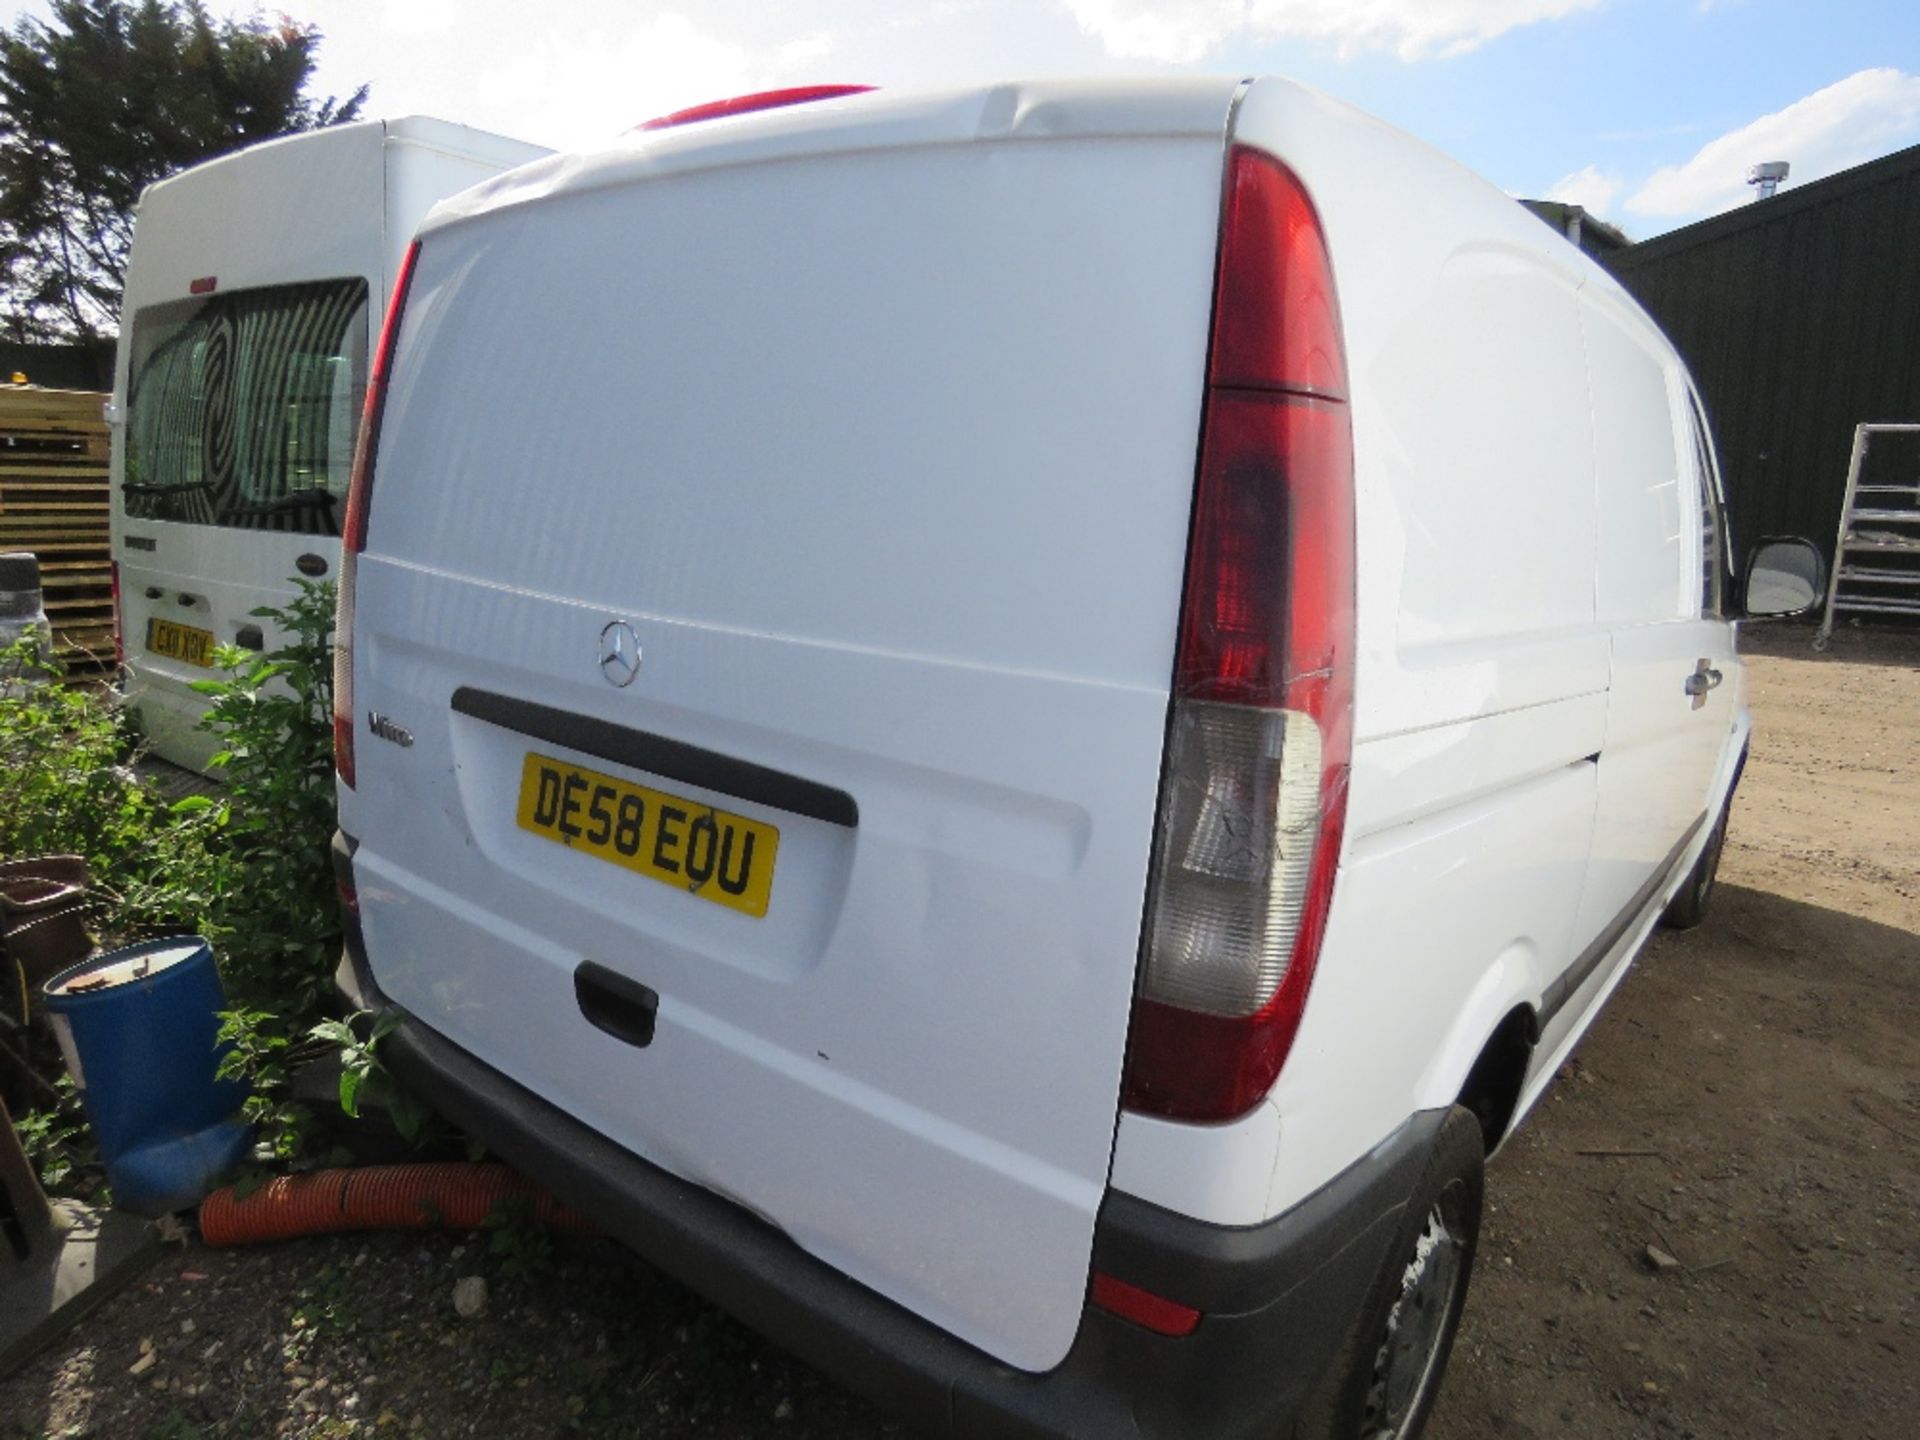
column 102, row 100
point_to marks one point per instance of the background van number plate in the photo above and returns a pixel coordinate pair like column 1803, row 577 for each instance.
column 180, row 642
column 717, row 856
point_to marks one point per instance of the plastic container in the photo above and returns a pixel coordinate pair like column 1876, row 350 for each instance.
column 137, row 1028
column 22, row 614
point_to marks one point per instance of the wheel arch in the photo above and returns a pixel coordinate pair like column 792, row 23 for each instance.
column 1486, row 1055
column 1494, row 1084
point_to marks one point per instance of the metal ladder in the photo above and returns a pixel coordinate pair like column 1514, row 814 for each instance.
column 1876, row 555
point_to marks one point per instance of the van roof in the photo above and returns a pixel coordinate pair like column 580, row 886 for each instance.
column 1159, row 106
column 422, row 130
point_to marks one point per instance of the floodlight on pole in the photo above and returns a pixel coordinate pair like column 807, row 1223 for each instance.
column 1766, row 177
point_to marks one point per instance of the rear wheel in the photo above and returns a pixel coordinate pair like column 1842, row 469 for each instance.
column 1689, row 906
column 1384, row 1385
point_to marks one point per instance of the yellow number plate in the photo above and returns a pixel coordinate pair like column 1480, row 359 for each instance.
column 717, row 856
column 180, row 642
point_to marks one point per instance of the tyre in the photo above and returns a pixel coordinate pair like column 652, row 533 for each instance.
column 1689, row 905
column 1387, row 1377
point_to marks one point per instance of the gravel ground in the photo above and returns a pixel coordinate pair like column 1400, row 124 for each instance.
column 1768, row 1062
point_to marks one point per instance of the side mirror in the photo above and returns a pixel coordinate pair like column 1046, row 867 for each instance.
column 1786, row 578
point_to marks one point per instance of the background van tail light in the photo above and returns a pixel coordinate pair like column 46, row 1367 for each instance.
column 1253, row 791
column 119, row 625
column 353, row 532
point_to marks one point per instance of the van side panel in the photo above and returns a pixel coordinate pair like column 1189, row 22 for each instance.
column 1480, row 691
column 886, row 456
column 1668, row 751
column 1652, row 782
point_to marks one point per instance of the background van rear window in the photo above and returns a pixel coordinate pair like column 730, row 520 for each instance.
column 242, row 407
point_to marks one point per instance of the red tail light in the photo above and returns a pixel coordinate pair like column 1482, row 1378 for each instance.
column 746, row 104
column 1253, row 798
column 119, row 631
column 353, row 532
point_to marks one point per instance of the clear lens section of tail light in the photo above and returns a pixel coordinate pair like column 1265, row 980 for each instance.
column 1240, row 815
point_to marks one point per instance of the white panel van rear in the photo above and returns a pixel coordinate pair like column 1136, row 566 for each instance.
column 1002, row 725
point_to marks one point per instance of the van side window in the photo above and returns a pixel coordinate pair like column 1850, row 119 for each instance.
column 1713, row 519
column 1648, row 568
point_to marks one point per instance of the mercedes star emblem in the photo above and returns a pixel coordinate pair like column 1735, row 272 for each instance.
column 619, row 653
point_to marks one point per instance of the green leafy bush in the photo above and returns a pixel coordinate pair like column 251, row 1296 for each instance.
column 68, row 786
column 260, row 1054
column 279, row 913
column 57, row 1140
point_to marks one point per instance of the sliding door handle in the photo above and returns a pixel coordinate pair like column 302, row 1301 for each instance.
column 1703, row 679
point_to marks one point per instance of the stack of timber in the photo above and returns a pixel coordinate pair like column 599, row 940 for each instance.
column 53, row 501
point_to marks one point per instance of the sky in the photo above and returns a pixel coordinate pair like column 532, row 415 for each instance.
column 1647, row 112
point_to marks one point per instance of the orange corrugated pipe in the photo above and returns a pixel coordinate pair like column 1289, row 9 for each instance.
column 451, row 1196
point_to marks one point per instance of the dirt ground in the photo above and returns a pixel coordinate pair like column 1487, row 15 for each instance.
column 1764, row 1071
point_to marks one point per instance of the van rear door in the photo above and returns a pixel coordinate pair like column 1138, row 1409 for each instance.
column 769, row 603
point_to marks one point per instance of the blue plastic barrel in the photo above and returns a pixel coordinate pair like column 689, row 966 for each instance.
column 137, row 1028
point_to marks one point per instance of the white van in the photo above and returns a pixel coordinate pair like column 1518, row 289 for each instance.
column 239, row 379
column 1010, row 727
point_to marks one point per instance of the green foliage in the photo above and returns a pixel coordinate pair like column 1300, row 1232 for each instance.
column 67, row 786
column 280, row 916
column 259, row 1056
column 362, row 1074
column 103, row 98
column 58, row 1144
column 281, row 919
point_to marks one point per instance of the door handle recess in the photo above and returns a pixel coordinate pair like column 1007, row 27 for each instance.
column 624, row 1008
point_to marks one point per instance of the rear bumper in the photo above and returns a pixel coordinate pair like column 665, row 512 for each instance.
column 170, row 716
column 1278, row 1298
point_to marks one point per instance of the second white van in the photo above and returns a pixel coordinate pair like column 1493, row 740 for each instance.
column 253, row 288
column 1012, row 727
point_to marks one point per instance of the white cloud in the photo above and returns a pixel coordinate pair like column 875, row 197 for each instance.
column 1179, row 32
column 1589, row 187
column 1854, row 120
column 590, row 84
column 579, row 72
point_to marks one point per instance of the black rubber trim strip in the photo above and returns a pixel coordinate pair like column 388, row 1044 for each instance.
column 1563, row 989
column 657, row 755
column 1230, row 1269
